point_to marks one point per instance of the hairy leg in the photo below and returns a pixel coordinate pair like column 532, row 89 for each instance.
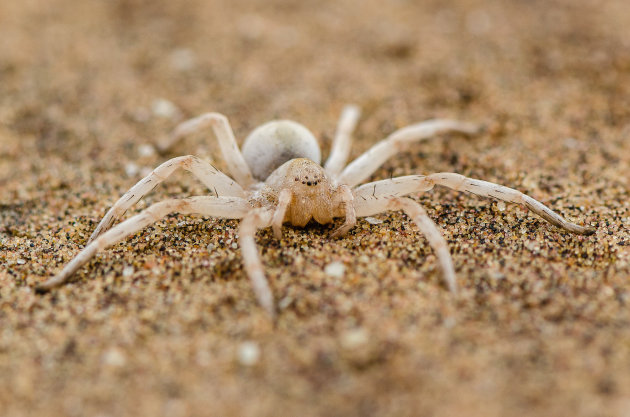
column 395, row 187
column 215, row 180
column 232, row 156
column 365, row 165
column 254, row 220
column 347, row 199
column 343, row 140
column 427, row 227
column 226, row 207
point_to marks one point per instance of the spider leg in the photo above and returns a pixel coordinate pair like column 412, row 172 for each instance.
column 254, row 220
column 343, row 140
column 393, row 187
column 215, row 180
column 226, row 207
column 347, row 199
column 489, row 189
column 284, row 199
column 362, row 167
column 419, row 183
column 428, row 228
column 237, row 166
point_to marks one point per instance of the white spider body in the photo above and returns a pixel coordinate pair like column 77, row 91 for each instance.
column 278, row 179
column 286, row 156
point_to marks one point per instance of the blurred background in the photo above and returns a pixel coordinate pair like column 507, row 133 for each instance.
column 87, row 88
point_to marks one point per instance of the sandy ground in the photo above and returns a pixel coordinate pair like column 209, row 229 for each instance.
column 165, row 324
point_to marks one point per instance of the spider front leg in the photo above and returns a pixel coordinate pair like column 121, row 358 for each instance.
column 365, row 165
column 226, row 207
column 215, row 180
column 232, row 156
column 254, row 220
column 419, row 216
column 401, row 186
column 489, row 189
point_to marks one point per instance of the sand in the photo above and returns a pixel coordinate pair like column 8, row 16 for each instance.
column 166, row 324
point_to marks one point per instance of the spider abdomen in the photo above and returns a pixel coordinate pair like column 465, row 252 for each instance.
column 274, row 143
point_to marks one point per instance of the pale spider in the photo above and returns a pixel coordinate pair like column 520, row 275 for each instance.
column 278, row 179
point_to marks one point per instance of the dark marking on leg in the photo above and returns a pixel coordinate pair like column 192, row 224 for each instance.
column 478, row 195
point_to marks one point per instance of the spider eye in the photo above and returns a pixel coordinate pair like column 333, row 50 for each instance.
column 297, row 179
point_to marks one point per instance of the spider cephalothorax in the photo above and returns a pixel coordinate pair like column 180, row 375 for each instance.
column 302, row 185
column 278, row 179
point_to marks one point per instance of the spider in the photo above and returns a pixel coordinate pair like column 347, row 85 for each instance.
column 278, row 179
